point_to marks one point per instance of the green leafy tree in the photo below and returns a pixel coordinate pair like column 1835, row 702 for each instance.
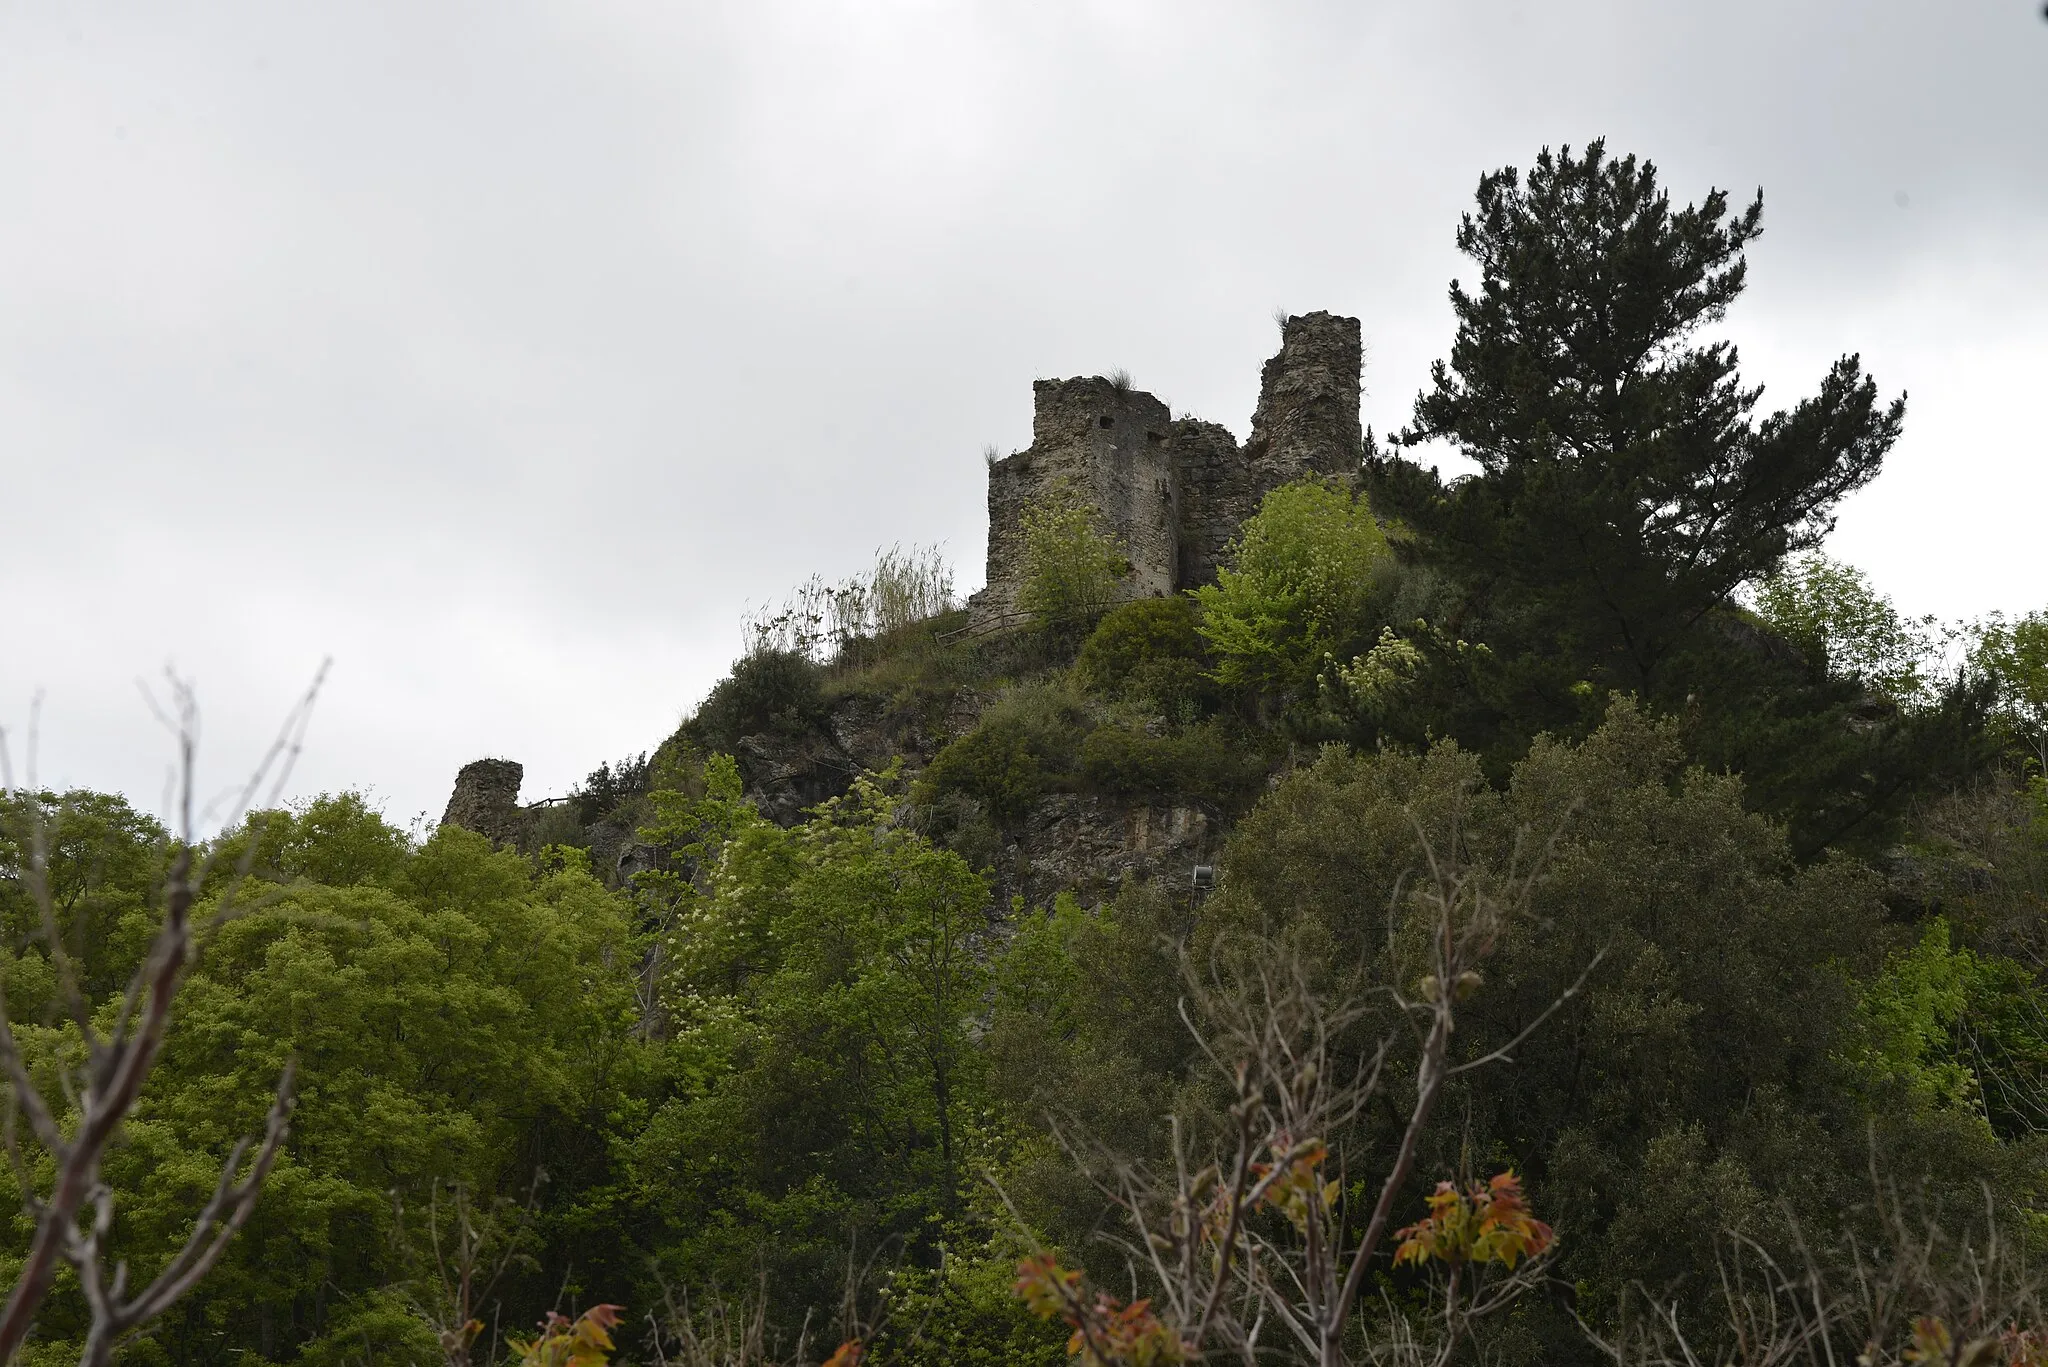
column 1295, row 592
column 1072, row 570
column 1941, row 1028
column 104, row 861
column 1698, row 1081
column 1845, row 627
column 2015, row 655
column 823, row 985
column 1625, row 487
column 1978, row 859
column 454, row 1016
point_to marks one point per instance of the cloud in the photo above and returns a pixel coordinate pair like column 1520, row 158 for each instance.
column 506, row 353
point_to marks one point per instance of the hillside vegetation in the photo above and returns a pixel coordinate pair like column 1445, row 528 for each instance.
column 1550, row 916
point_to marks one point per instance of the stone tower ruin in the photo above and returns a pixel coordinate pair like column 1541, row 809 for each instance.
column 1171, row 493
column 486, row 799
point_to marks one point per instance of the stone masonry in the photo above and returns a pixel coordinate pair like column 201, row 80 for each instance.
column 1171, row 493
column 486, row 799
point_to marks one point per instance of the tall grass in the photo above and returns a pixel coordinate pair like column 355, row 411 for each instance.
column 825, row 622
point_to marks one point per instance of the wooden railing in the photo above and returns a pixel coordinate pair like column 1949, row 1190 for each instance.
column 1014, row 617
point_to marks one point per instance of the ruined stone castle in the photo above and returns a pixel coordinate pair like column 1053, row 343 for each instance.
column 1172, row 492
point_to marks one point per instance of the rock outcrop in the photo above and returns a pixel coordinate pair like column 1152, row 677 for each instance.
column 1088, row 844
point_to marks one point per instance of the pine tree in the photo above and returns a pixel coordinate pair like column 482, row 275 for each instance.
column 1626, row 487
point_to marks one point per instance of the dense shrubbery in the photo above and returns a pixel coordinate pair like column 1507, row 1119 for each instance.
column 1759, row 888
column 773, row 691
column 608, row 787
column 456, row 1015
column 1296, row 591
column 1048, row 738
column 1201, row 761
column 1026, row 744
column 1152, row 652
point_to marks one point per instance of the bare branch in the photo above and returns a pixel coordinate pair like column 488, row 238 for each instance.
column 117, row 1065
column 1505, row 1052
column 1253, row 1232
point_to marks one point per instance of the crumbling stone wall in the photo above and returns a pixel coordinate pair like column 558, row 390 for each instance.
column 1174, row 492
column 1219, row 491
column 486, row 799
column 1108, row 443
column 1307, row 419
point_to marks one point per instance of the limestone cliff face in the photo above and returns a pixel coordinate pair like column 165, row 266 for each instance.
column 1172, row 493
column 1084, row 843
column 1088, row 845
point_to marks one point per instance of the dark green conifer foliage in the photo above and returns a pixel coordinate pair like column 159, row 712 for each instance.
column 1625, row 487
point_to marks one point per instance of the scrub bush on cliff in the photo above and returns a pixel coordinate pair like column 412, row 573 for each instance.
column 1296, row 591
column 1028, row 743
column 1202, row 762
column 1151, row 651
column 773, row 692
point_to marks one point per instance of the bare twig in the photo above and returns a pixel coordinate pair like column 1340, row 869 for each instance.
column 471, row 1254
column 1261, row 1236
column 1914, row 1293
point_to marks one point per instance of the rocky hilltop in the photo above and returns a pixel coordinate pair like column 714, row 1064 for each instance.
column 1171, row 493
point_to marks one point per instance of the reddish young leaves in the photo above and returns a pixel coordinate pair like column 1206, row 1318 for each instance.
column 1299, row 1181
column 585, row 1341
column 1934, row 1345
column 1106, row 1333
column 1486, row 1224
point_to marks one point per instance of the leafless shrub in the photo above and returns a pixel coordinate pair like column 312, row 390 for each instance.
column 458, row 1260
column 1914, row 1293
column 74, row 1217
column 1250, row 1241
column 714, row 1329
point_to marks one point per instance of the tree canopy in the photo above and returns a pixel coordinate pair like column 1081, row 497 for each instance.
column 1562, row 887
column 1626, row 486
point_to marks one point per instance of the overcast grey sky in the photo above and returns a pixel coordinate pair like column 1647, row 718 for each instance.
column 506, row 352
